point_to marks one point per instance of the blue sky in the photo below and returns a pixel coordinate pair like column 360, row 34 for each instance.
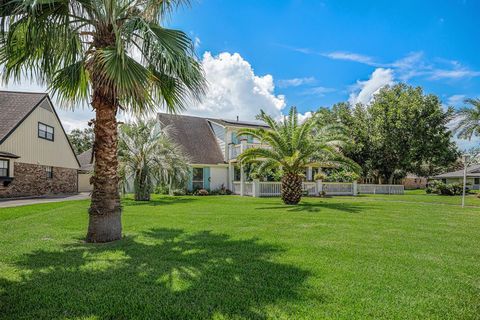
column 318, row 51
column 274, row 54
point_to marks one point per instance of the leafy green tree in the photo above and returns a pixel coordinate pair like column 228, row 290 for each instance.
column 148, row 157
column 409, row 133
column 468, row 120
column 355, row 120
column 114, row 54
column 402, row 131
column 292, row 147
column 81, row 140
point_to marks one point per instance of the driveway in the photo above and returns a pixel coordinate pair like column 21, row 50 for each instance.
column 46, row 199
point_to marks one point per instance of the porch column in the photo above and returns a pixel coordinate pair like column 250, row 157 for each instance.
column 243, row 147
column 242, row 181
column 309, row 174
column 230, row 176
column 230, row 155
column 319, row 187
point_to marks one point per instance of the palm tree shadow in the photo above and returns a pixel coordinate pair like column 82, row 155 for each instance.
column 318, row 207
column 157, row 202
column 160, row 274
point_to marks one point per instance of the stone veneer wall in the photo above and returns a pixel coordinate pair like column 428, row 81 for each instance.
column 31, row 180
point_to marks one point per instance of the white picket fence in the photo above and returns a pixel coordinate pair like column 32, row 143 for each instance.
column 273, row 189
column 380, row 189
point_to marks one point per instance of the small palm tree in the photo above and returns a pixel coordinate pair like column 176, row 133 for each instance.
column 468, row 124
column 292, row 146
column 112, row 53
column 148, row 157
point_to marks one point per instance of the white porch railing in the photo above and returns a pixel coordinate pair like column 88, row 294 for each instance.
column 273, row 189
column 236, row 149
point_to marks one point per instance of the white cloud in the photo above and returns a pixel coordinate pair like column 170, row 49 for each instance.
column 456, row 99
column 197, row 42
column 235, row 90
column 305, row 116
column 319, row 91
column 412, row 65
column 457, row 73
column 365, row 90
column 295, row 82
column 350, row 56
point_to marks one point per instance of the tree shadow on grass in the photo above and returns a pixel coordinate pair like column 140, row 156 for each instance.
column 161, row 274
column 156, row 202
column 318, row 207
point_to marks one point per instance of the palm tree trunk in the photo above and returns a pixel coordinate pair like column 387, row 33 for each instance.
column 291, row 188
column 105, row 210
column 170, row 185
column 142, row 186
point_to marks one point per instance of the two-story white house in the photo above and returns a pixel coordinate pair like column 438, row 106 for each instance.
column 213, row 146
column 36, row 157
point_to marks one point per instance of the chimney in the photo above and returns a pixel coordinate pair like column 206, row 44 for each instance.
column 237, row 118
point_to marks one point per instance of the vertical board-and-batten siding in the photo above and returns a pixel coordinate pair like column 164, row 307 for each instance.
column 24, row 141
column 220, row 135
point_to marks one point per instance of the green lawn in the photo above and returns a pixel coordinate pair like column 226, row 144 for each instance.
column 397, row 257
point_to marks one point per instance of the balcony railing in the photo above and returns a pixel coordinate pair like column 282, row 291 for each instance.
column 236, row 149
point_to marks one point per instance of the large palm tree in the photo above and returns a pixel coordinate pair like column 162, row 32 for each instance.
column 468, row 118
column 148, row 157
column 292, row 146
column 112, row 53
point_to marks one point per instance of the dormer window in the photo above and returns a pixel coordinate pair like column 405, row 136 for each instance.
column 45, row 131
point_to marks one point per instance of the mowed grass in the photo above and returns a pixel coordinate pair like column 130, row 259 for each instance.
column 392, row 257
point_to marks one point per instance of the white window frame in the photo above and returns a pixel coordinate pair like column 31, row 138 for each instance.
column 198, row 181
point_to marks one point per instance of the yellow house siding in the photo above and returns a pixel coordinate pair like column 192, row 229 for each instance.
column 24, row 141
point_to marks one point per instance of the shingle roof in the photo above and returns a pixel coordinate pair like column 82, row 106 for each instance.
column 195, row 137
column 14, row 108
column 472, row 171
column 86, row 160
column 234, row 123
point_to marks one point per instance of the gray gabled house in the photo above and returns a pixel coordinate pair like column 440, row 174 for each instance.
column 36, row 157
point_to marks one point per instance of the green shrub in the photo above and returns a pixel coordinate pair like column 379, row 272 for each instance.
column 179, row 192
column 222, row 191
column 161, row 189
column 201, row 192
column 342, row 176
column 320, row 176
column 440, row 188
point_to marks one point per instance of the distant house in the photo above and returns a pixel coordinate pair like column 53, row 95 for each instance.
column 213, row 146
column 85, row 172
column 473, row 177
column 36, row 157
column 412, row 181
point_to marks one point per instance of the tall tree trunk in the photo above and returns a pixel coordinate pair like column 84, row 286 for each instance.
column 105, row 210
column 142, row 186
column 390, row 178
column 291, row 188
